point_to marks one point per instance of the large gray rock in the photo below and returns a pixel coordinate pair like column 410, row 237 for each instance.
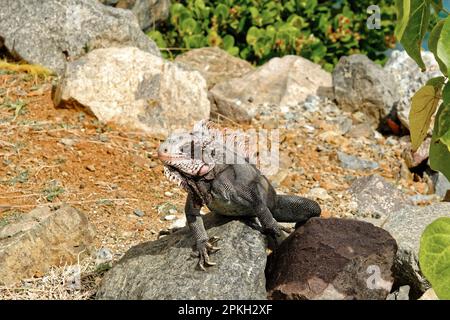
column 45, row 237
column 376, row 198
column 135, row 88
column 361, row 85
column 165, row 269
column 409, row 78
column 215, row 64
column 52, row 32
column 148, row 12
column 332, row 259
column 407, row 226
column 281, row 82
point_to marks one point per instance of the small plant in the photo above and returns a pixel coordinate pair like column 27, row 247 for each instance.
column 414, row 21
column 52, row 191
column 18, row 106
column 22, row 177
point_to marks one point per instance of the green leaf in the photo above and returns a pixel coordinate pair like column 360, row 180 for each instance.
column 434, row 256
column 443, row 45
column 435, row 35
column 415, row 30
column 228, row 42
column 403, row 9
column 424, row 104
column 436, row 82
column 439, row 151
column 189, row 26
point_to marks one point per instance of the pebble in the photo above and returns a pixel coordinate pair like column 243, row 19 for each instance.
column 90, row 167
column 319, row 193
column 168, row 194
column 139, row 212
column 170, row 217
column 103, row 255
column 67, row 142
column 351, row 162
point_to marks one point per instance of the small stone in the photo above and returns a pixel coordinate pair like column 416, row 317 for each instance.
column 104, row 255
column 319, row 193
column 170, row 217
column 173, row 211
column 139, row 212
column 178, row 223
column 355, row 163
column 168, row 194
column 90, row 167
column 67, row 142
column 103, row 138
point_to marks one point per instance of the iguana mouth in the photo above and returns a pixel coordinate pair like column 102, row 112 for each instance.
column 169, row 158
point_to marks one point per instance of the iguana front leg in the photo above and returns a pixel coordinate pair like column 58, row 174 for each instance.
column 203, row 244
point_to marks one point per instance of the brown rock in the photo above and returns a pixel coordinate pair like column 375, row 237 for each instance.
column 332, row 259
column 43, row 238
column 215, row 64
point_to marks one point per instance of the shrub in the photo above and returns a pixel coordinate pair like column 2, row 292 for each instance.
column 257, row 30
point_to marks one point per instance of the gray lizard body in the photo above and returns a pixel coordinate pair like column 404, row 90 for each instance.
column 237, row 189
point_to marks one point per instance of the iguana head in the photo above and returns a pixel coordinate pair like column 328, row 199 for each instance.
column 184, row 154
column 195, row 153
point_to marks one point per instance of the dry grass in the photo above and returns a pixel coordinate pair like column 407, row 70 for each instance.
column 76, row 282
column 23, row 67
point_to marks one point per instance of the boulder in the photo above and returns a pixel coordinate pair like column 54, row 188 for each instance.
column 134, row 88
column 281, row 82
column 332, row 259
column 148, row 12
column 52, row 32
column 407, row 226
column 409, row 78
column 361, row 85
column 46, row 236
column 215, row 64
column 376, row 198
column 165, row 268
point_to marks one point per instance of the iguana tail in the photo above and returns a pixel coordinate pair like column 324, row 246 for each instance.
column 295, row 209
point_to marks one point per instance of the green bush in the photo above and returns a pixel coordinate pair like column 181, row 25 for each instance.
column 257, row 30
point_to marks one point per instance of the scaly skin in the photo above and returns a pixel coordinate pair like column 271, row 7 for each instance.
column 238, row 190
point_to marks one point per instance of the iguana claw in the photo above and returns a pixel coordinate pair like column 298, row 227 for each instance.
column 204, row 249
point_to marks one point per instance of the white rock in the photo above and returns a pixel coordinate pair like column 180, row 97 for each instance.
column 135, row 88
column 285, row 81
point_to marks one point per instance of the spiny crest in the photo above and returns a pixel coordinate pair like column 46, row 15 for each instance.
column 211, row 135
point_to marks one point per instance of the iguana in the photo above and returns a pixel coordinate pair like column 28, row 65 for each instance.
column 195, row 161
